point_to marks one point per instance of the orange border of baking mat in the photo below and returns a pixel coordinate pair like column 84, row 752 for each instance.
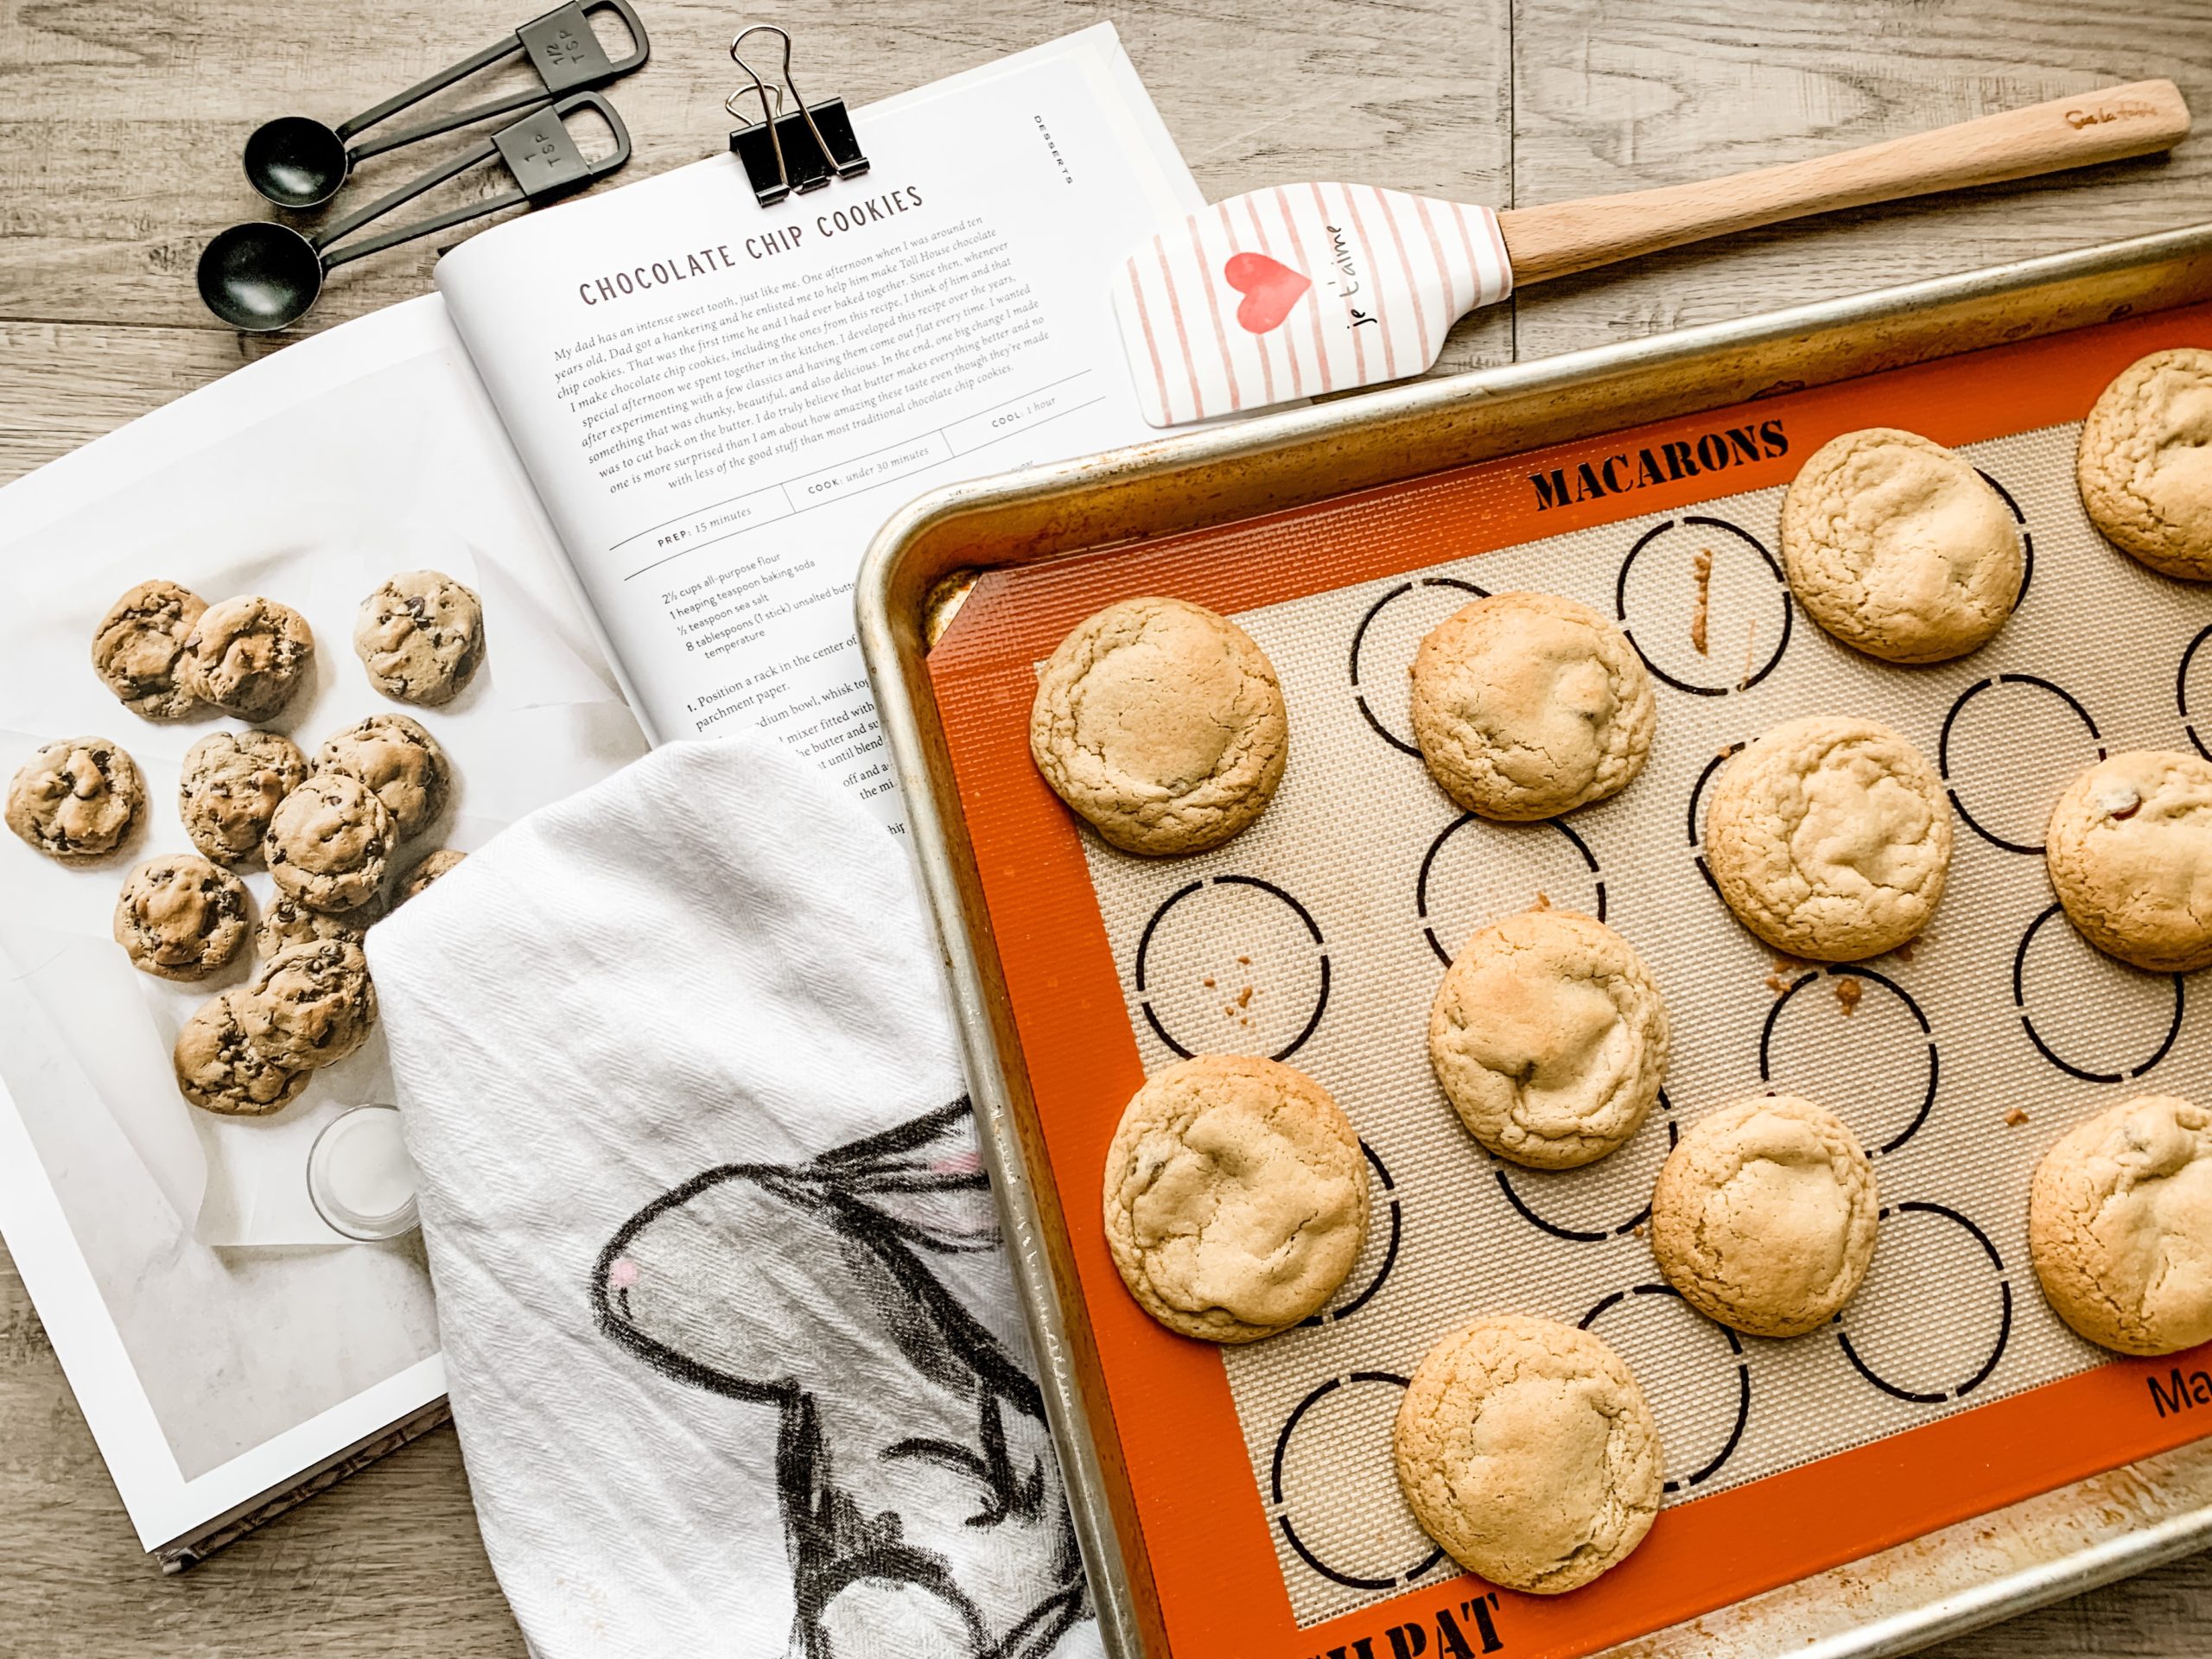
column 1205, row 1533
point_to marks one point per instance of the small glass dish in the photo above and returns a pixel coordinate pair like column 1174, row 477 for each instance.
column 360, row 1177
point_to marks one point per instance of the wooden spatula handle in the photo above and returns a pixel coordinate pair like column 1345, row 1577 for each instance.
column 2107, row 126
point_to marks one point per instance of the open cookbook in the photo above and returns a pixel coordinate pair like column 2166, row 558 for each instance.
column 653, row 429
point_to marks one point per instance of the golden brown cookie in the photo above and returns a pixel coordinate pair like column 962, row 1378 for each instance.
column 400, row 760
column 76, row 800
column 1161, row 724
column 421, row 636
column 329, row 844
column 2145, row 463
column 309, row 1004
column 1830, row 838
column 1763, row 1216
column 179, row 916
column 247, row 656
column 2119, row 1225
column 287, row 921
column 426, row 870
column 217, row 1070
column 230, row 787
column 1236, row 1197
column 1527, row 1450
column 1899, row 547
column 139, row 648
column 2129, row 848
column 1549, row 1038
column 1528, row 705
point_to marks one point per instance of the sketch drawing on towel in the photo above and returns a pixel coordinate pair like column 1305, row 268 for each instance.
column 921, row 1501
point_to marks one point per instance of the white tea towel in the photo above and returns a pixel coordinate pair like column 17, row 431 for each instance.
column 733, row 1351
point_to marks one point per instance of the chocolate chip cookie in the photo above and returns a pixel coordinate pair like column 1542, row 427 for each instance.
column 76, row 800
column 139, row 648
column 400, row 761
column 309, row 1004
column 230, row 787
column 2145, row 463
column 247, row 656
column 420, row 637
column 287, row 921
column 426, row 870
column 2129, row 849
column 179, row 916
column 329, row 844
column 217, row 1070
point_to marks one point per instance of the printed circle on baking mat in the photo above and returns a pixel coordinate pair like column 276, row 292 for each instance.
column 1232, row 965
column 1932, row 1318
column 1385, row 1231
column 2027, row 536
column 1336, row 1500
column 1383, row 647
column 1600, row 1200
column 2193, row 690
column 1701, row 1423
column 1478, row 870
column 2011, row 744
column 1865, row 1051
column 1744, row 597
column 2092, row 1017
column 1694, row 813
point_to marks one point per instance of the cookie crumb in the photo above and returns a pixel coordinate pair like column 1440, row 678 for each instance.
column 1904, row 951
column 1207, row 982
column 1638, row 1230
column 1777, row 984
column 1244, row 997
column 1245, row 961
column 1847, row 993
column 1701, row 569
column 2014, row 1118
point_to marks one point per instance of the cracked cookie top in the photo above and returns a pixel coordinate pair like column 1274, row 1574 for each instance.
column 1526, row 1449
column 1236, row 1197
column 76, row 798
column 1763, row 1216
column 421, row 636
column 1161, row 724
column 179, row 916
column 2120, row 1226
column 1528, row 705
column 1830, row 838
column 397, row 759
column 2129, row 848
column 309, row 1004
column 247, row 656
column 230, row 787
column 2145, row 463
column 139, row 648
column 217, row 1070
column 1549, row 1038
column 1899, row 547
column 330, row 844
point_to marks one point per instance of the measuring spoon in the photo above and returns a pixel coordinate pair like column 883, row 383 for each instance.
column 262, row 275
column 295, row 161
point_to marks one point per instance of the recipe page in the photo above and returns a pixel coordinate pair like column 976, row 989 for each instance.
column 720, row 402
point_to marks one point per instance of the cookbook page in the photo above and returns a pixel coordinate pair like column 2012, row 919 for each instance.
column 721, row 403
column 220, row 1335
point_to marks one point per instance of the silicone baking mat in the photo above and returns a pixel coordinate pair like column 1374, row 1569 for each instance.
column 1260, row 1476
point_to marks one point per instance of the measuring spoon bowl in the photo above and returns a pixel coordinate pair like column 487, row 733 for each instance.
column 260, row 277
column 296, row 162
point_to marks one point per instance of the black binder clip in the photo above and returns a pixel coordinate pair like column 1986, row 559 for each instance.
column 800, row 151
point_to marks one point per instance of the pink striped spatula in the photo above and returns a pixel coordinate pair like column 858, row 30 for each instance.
column 1313, row 288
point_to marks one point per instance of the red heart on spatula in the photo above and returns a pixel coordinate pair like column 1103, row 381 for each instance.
column 1269, row 286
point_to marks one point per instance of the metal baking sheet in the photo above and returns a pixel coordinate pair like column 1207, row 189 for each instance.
column 1182, row 484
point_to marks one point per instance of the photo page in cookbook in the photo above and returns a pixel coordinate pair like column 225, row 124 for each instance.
column 223, row 1340
column 722, row 403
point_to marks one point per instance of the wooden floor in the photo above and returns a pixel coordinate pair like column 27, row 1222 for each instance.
column 120, row 131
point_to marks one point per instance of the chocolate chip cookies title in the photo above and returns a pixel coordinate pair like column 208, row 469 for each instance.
column 1665, row 463
column 764, row 245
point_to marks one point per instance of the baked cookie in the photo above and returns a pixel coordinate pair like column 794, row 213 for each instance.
column 309, row 1004
column 1549, row 1038
column 139, row 648
column 426, row 870
column 76, row 798
column 217, row 1070
column 1899, row 547
column 287, row 921
column 1527, row 1450
column 329, row 844
column 421, row 636
column 179, row 916
column 1236, row 1197
column 397, row 759
column 1528, row 705
column 1830, row 838
column 1763, row 1216
column 230, row 787
column 2129, row 848
column 247, row 656
column 2120, row 1226
column 1161, row 724
column 2145, row 463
